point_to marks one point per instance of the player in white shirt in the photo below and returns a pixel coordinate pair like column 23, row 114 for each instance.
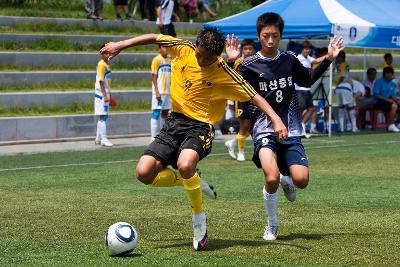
column 102, row 99
column 164, row 10
column 307, row 108
column 161, row 81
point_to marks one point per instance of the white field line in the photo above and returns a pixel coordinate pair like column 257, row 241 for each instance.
column 212, row 155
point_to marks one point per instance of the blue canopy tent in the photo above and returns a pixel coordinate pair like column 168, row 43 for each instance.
column 362, row 23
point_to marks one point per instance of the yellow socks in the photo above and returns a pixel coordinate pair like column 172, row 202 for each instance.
column 167, row 178
column 241, row 141
column 192, row 187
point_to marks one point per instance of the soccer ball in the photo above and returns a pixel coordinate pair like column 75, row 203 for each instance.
column 121, row 238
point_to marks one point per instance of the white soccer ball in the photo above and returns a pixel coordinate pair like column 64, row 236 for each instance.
column 121, row 238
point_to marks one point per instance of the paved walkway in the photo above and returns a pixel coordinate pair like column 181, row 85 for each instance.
column 77, row 145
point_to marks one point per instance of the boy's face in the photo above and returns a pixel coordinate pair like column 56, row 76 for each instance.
column 389, row 60
column 389, row 76
column 371, row 76
column 306, row 51
column 204, row 58
column 269, row 38
column 248, row 50
column 163, row 51
column 105, row 56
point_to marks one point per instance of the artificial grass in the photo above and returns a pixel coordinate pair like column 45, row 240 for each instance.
column 348, row 215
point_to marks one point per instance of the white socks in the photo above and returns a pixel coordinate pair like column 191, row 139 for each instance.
column 154, row 127
column 98, row 136
column 341, row 115
column 271, row 207
column 101, row 130
column 197, row 218
column 353, row 119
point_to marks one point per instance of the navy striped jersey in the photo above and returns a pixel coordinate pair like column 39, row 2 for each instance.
column 274, row 79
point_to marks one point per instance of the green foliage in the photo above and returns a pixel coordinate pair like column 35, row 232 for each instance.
column 55, row 213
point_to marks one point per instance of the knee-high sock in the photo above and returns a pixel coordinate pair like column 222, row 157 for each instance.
column 98, row 136
column 192, row 187
column 102, row 129
column 341, row 114
column 167, row 178
column 241, row 141
column 154, row 127
column 352, row 114
column 271, row 207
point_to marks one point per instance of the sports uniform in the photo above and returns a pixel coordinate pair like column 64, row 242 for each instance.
column 198, row 96
column 101, row 108
column 274, row 78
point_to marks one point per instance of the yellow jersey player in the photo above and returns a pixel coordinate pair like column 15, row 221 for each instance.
column 102, row 99
column 201, row 83
column 161, row 80
column 248, row 48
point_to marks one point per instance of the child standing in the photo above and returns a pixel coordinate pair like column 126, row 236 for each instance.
column 102, row 99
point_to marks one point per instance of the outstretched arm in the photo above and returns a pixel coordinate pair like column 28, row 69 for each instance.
column 279, row 127
column 114, row 48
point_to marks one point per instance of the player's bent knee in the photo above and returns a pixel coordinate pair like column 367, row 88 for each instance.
column 144, row 172
column 300, row 181
column 272, row 179
column 186, row 168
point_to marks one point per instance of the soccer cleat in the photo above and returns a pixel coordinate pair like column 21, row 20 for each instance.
column 240, row 156
column 288, row 187
column 105, row 142
column 270, row 233
column 393, row 128
column 200, row 237
column 231, row 150
column 207, row 188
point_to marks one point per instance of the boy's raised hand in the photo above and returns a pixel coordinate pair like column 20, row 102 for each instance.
column 232, row 48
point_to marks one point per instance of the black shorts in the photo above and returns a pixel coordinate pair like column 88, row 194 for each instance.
column 289, row 152
column 180, row 132
column 120, row 2
column 304, row 99
column 383, row 105
column 242, row 111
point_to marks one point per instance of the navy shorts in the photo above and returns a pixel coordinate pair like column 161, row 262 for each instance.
column 289, row 152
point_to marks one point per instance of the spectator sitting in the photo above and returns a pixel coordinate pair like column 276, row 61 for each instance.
column 363, row 98
column 121, row 4
column 388, row 60
column 190, row 7
column 371, row 78
column 385, row 97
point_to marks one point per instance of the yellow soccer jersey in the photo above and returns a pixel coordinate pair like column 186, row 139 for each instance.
column 161, row 67
column 198, row 92
column 237, row 62
column 103, row 74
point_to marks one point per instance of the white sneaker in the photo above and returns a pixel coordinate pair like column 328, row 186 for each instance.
column 270, row 233
column 355, row 130
column 231, row 149
column 240, row 156
column 314, row 131
column 393, row 128
column 207, row 188
column 288, row 187
column 200, row 237
column 105, row 142
column 97, row 142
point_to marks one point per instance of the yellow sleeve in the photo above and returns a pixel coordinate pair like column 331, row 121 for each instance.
column 175, row 47
column 155, row 64
column 101, row 70
column 235, row 87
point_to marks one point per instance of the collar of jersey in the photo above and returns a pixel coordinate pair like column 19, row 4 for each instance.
column 268, row 58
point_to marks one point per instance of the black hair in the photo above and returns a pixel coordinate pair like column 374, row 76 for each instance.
column 211, row 39
column 342, row 54
column 387, row 55
column 270, row 19
column 246, row 42
column 103, row 45
column 306, row 44
column 371, row 70
column 387, row 70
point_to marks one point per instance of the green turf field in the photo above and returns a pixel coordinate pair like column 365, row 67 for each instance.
column 56, row 206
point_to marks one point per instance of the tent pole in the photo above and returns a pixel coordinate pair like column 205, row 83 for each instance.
column 330, row 100
column 365, row 63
